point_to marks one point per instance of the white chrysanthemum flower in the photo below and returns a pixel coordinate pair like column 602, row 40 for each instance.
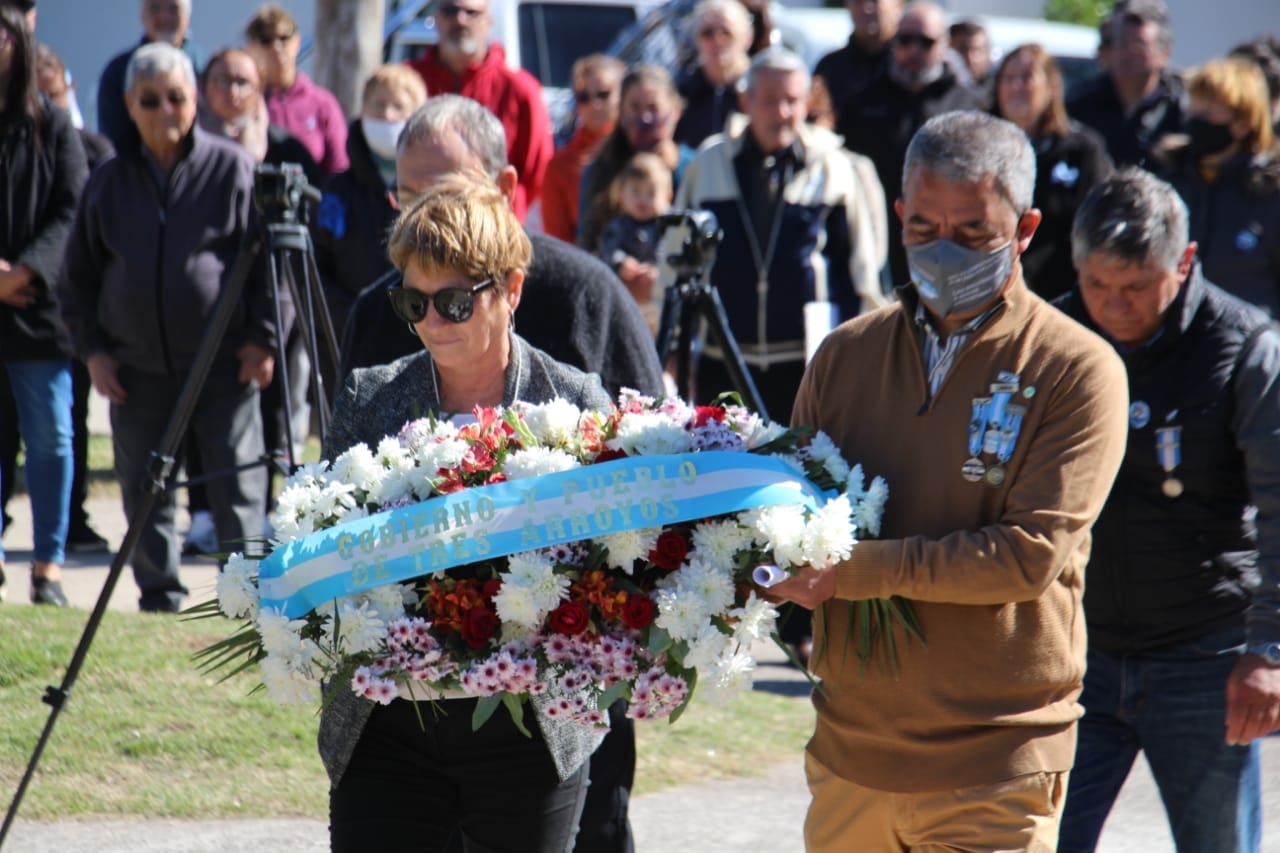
column 389, row 600
column 398, row 466
column 791, row 461
column 309, row 474
column 280, row 634
column 870, row 509
column 628, row 546
column 681, row 613
column 359, row 627
column 713, row 583
column 292, row 517
column 555, row 424
column 855, row 483
column 238, row 589
column 448, row 453
column 706, row 649
column 756, row 619
column 829, row 533
column 720, row 541
column 536, row 461
column 288, row 686
column 357, row 466
column 517, row 605
column 757, row 433
column 534, row 571
column 650, row 434
column 821, row 448
column 781, row 529
column 343, row 515
column 730, row 679
column 334, row 500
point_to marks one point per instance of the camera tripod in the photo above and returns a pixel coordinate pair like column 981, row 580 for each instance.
column 692, row 301
column 281, row 240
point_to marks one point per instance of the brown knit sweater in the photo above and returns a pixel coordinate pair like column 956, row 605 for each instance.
column 996, row 574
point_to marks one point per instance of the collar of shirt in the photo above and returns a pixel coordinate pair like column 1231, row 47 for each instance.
column 938, row 354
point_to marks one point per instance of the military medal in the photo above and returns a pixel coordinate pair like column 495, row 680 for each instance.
column 1169, row 452
column 1009, row 431
column 1000, row 395
column 973, row 468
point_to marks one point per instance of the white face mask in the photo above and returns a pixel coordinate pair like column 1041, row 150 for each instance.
column 381, row 136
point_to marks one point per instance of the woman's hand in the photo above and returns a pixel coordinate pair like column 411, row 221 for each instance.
column 104, row 373
column 257, row 365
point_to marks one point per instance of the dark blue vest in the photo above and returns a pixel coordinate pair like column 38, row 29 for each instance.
column 1169, row 568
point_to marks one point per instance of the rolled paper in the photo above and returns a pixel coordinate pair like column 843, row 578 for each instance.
column 766, row 575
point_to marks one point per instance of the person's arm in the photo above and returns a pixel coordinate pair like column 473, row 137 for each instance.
column 80, row 280
column 44, row 254
column 867, row 252
column 531, row 149
column 1060, row 489
column 1253, row 689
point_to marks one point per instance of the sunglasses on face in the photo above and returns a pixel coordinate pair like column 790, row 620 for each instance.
column 151, row 101
column 914, row 40
column 585, row 97
column 461, row 12
column 268, row 40
column 454, row 304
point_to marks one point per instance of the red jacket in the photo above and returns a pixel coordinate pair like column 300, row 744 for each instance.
column 312, row 114
column 563, row 184
column 515, row 97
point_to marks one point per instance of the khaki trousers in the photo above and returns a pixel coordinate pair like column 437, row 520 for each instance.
column 1014, row 815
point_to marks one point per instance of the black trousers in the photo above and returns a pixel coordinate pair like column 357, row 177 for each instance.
column 411, row 785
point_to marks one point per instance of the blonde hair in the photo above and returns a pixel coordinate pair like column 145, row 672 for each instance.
column 597, row 63
column 1240, row 86
column 266, row 21
column 644, row 166
column 396, row 77
column 462, row 224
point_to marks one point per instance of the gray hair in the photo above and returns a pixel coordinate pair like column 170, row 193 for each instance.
column 157, row 59
column 733, row 10
column 185, row 5
column 968, row 146
column 479, row 129
column 1132, row 216
column 777, row 59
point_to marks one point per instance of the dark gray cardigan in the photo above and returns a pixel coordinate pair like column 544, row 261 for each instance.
column 378, row 401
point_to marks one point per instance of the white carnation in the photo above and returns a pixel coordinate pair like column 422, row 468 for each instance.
column 536, row 461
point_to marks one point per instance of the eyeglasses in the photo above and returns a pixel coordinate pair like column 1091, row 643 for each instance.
column 454, row 304
column 270, row 39
column 914, row 40
column 449, row 10
column 585, row 97
column 151, row 101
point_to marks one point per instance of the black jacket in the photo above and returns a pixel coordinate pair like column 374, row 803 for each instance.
column 42, row 174
column 1169, row 569
column 351, row 229
column 573, row 308
column 1067, row 167
column 881, row 121
column 848, row 71
column 1131, row 139
column 707, row 108
column 1235, row 220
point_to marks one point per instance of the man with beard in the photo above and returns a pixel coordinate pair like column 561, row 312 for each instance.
column 463, row 62
column 915, row 86
column 844, row 73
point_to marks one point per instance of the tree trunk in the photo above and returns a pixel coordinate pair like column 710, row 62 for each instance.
column 348, row 47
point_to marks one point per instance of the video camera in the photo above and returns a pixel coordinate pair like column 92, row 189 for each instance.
column 278, row 192
column 695, row 254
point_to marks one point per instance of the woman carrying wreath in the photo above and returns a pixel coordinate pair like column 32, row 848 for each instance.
column 412, row 773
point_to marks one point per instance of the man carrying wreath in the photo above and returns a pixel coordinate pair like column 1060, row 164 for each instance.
column 1000, row 424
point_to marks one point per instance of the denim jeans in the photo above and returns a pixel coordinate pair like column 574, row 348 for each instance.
column 42, row 394
column 1169, row 703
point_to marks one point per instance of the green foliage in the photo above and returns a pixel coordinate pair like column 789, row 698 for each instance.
column 1084, row 12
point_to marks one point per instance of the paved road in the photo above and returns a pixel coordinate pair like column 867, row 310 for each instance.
column 761, row 814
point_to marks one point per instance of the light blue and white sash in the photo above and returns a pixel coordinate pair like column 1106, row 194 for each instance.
column 487, row 522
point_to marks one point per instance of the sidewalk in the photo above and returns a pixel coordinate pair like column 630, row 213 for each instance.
column 759, row 815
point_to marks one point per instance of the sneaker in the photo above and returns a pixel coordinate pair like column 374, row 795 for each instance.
column 202, row 537
column 83, row 539
column 45, row 591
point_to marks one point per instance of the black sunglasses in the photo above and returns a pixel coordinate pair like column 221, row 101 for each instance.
column 454, row 304
column 585, row 97
column 451, row 11
column 909, row 39
column 151, row 101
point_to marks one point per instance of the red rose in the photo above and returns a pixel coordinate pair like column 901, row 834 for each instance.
column 638, row 611
column 670, row 551
column 609, row 454
column 570, row 618
column 703, row 415
column 491, row 587
column 478, row 625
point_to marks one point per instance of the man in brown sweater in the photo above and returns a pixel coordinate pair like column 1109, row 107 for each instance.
column 999, row 425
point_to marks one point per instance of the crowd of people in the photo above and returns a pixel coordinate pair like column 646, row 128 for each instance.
column 895, row 222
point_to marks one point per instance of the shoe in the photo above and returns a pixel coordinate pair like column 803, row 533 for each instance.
column 3, row 591
column 46, row 591
column 83, row 539
column 202, row 537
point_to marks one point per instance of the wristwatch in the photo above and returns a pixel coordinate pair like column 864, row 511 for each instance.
column 1270, row 652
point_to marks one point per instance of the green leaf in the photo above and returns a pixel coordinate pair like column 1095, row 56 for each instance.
column 659, row 640
column 515, row 707
column 613, row 694
column 485, row 706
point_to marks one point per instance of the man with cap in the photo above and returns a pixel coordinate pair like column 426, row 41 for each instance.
column 1183, row 600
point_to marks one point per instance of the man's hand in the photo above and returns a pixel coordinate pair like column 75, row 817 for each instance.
column 16, row 287
column 1253, row 700
column 257, row 365
column 104, row 373
column 809, row 587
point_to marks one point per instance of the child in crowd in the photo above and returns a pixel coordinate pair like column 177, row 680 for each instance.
column 643, row 192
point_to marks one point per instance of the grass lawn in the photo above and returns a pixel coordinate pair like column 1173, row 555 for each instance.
column 145, row 734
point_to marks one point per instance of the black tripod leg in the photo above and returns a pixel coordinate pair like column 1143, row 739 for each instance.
column 160, row 466
column 684, row 355
column 278, row 261
column 321, row 326
column 667, row 323
column 718, row 329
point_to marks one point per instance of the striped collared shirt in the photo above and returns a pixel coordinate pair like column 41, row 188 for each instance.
column 940, row 355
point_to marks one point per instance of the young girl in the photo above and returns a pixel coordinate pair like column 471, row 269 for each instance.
column 629, row 242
